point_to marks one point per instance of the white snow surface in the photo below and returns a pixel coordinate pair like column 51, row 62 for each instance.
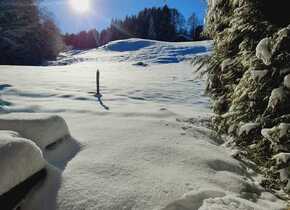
column 140, row 50
column 19, row 159
column 43, row 130
column 146, row 146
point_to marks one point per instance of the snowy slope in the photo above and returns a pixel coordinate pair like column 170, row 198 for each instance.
column 146, row 146
column 139, row 50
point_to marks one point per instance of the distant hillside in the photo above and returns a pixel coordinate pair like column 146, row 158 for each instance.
column 162, row 24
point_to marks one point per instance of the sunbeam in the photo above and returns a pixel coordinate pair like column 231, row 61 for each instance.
column 80, row 6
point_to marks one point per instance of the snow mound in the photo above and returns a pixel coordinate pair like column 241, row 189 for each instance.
column 44, row 130
column 140, row 50
column 193, row 200
column 215, row 199
column 19, row 159
column 149, row 51
column 128, row 45
column 229, row 203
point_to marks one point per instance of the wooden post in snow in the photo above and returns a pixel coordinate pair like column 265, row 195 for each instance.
column 98, row 94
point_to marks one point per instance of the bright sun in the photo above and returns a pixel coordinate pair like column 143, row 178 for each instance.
column 81, row 6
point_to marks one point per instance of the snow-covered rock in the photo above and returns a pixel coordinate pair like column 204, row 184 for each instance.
column 263, row 51
column 42, row 129
column 19, row 159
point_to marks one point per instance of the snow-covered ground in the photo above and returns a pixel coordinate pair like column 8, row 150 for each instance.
column 16, row 152
column 139, row 50
column 145, row 146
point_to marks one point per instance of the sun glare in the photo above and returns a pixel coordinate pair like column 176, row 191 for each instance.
column 80, row 6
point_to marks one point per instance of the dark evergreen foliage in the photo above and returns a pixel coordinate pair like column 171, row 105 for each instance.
column 276, row 12
column 27, row 35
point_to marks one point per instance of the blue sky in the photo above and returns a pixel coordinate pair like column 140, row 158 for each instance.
column 103, row 11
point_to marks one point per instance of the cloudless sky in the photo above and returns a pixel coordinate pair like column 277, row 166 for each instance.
column 103, row 11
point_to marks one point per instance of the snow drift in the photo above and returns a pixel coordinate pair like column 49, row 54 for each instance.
column 19, row 159
column 149, row 51
column 44, row 130
column 128, row 45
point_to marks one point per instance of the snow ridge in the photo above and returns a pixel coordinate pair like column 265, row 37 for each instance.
column 140, row 50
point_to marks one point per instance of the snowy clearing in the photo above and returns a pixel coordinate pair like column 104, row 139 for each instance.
column 146, row 146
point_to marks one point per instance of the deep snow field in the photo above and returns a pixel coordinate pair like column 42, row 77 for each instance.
column 146, row 146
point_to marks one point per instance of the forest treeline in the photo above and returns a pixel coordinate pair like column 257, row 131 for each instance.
column 163, row 24
column 28, row 36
